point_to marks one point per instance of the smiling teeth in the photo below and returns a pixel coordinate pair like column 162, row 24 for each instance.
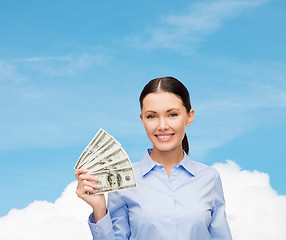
column 164, row 137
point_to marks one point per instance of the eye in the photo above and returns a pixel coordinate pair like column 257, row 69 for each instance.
column 150, row 116
column 173, row 115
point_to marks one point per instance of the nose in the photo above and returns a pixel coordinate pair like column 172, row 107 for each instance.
column 163, row 124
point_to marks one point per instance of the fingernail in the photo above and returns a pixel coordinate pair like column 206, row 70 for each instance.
column 98, row 182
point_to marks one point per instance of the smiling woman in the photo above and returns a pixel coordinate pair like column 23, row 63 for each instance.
column 165, row 118
column 176, row 198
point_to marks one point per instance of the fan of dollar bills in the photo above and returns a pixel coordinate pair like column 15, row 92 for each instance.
column 106, row 159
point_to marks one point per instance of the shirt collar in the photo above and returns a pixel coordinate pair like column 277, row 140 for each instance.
column 187, row 164
column 147, row 164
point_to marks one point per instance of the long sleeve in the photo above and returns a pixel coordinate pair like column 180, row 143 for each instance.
column 119, row 216
column 219, row 228
column 115, row 224
column 102, row 230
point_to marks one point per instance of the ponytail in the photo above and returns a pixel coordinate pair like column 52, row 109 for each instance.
column 185, row 144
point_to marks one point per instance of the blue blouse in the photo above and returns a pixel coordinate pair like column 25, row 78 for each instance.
column 189, row 204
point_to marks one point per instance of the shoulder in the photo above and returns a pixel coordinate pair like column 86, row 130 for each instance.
column 203, row 170
column 136, row 166
column 143, row 165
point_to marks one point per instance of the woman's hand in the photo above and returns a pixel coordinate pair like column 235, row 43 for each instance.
column 86, row 183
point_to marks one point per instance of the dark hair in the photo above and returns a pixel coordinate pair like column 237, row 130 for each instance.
column 171, row 85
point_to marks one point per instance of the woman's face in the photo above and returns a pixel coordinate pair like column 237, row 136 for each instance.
column 165, row 118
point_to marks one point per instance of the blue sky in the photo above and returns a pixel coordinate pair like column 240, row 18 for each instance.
column 69, row 68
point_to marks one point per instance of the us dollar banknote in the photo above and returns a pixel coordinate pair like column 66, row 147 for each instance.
column 88, row 147
column 101, row 139
column 110, row 147
column 116, row 180
column 105, row 158
column 125, row 163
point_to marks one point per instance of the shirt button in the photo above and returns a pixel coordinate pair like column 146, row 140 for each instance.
column 170, row 194
column 99, row 234
column 171, row 218
column 97, row 228
column 178, row 166
column 174, row 174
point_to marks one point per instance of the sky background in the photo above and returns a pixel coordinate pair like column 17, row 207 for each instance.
column 68, row 68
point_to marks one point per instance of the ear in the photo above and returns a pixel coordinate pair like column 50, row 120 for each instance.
column 190, row 117
column 141, row 117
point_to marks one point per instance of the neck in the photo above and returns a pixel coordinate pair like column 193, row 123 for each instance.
column 168, row 158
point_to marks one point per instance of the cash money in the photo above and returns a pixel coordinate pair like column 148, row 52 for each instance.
column 105, row 158
column 116, row 180
column 125, row 163
column 110, row 148
column 101, row 139
column 83, row 154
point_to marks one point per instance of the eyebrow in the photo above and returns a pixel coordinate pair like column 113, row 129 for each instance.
column 169, row 110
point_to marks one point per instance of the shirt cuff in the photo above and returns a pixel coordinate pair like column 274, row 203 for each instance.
column 102, row 230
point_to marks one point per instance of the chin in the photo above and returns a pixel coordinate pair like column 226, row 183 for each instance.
column 166, row 148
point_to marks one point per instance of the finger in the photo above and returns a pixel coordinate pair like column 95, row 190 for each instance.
column 87, row 189
column 91, row 184
column 78, row 172
column 82, row 192
column 89, row 177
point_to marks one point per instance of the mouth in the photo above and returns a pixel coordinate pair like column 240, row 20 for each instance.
column 164, row 137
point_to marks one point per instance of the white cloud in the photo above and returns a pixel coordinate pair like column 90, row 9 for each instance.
column 8, row 73
column 45, row 59
column 67, row 64
column 15, row 70
column 254, row 211
column 208, row 16
column 178, row 31
column 64, row 219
